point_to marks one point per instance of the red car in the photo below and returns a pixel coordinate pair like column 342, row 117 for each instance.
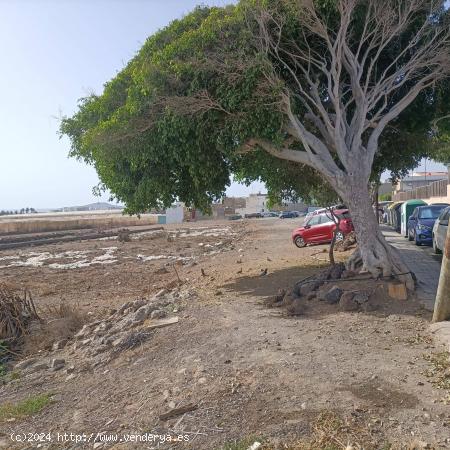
column 319, row 229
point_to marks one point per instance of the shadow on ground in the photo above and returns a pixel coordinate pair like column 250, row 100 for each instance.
column 268, row 285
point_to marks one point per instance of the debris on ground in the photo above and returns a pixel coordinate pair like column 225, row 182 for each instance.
column 124, row 235
column 16, row 313
column 178, row 411
column 347, row 243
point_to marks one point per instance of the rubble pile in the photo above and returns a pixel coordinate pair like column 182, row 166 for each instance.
column 100, row 341
column 321, row 287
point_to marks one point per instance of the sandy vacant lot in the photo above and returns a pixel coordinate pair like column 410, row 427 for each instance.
column 241, row 369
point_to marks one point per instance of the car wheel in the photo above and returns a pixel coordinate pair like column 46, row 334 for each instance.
column 299, row 242
column 410, row 238
column 436, row 249
column 417, row 241
column 339, row 236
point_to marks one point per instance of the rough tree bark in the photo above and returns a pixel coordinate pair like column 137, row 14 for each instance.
column 374, row 254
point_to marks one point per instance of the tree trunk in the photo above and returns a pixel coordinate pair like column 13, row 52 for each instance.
column 337, row 221
column 373, row 254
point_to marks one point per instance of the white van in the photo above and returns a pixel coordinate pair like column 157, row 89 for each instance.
column 440, row 230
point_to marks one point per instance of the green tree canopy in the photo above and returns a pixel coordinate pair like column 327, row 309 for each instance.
column 170, row 126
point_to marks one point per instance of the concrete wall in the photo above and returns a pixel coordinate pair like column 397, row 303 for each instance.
column 175, row 214
column 440, row 199
column 38, row 223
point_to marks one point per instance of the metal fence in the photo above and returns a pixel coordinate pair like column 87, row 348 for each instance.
column 436, row 189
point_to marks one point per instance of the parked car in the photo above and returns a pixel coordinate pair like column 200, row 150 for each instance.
column 288, row 214
column 324, row 210
column 319, row 229
column 269, row 214
column 253, row 215
column 420, row 223
column 235, row 217
column 440, row 230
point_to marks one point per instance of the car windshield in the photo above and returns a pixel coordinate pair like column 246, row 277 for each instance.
column 430, row 213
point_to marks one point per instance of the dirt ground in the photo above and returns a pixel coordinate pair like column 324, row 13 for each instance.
column 249, row 370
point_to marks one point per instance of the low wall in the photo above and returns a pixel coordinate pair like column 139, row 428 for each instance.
column 46, row 222
column 440, row 199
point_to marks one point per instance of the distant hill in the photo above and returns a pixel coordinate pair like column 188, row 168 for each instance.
column 99, row 206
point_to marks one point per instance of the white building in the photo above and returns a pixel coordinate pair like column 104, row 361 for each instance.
column 254, row 203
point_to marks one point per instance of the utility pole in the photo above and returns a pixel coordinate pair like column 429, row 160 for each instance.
column 442, row 303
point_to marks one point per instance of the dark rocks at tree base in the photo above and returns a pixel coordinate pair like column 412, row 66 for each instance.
column 333, row 295
column 304, row 288
column 362, row 297
column 356, row 300
column 348, row 274
column 348, row 302
column 296, row 308
column 289, row 298
column 336, row 271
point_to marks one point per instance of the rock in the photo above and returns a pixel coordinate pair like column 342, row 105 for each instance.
column 288, row 298
column 333, row 295
column 296, row 308
column 161, row 293
column 83, row 332
column 158, row 314
column 347, row 302
column 348, row 274
column 336, row 271
column 102, row 327
column 70, row 370
column 202, row 380
column 142, row 313
column 21, row 365
column 57, row 363
column 161, row 270
column 302, row 289
column 70, row 377
column 58, row 345
column 37, row 367
column 362, row 297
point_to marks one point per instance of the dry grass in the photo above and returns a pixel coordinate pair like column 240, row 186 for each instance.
column 331, row 432
column 439, row 372
column 61, row 322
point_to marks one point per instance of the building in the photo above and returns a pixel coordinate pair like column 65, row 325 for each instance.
column 256, row 203
column 231, row 204
column 417, row 180
column 433, row 187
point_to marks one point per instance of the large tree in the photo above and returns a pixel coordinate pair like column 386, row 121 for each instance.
column 297, row 93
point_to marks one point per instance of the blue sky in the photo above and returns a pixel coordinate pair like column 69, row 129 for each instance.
column 54, row 52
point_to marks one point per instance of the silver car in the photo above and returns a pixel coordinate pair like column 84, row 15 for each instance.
column 440, row 230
